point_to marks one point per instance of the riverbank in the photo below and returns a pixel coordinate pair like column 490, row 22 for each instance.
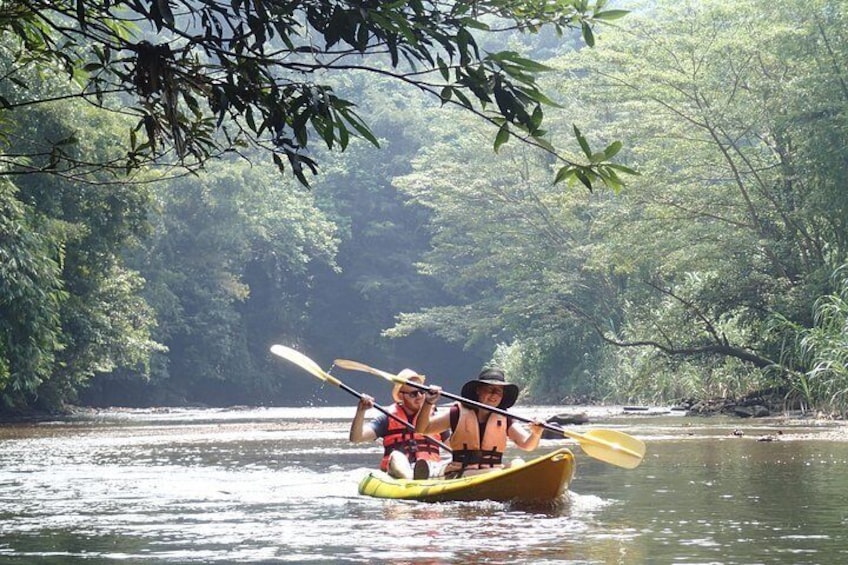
column 772, row 424
column 754, row 408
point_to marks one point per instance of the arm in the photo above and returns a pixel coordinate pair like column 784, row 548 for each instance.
column 424, row 424
column 528, row 440
column 359, row 432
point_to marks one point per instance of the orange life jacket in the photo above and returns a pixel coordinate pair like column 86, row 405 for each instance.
column 401, row 438
column 470, row 451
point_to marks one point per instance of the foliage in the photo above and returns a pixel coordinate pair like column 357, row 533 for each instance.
column 94, row 92
column 204, row 77
column 78, row 309
column 31, row 296
column 550, row 370
column 735, row 220
column 823, row 350
column 509, row 248
column 703, row 276
column 227, row 273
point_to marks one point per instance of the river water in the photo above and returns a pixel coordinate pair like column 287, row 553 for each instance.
column 280, row 486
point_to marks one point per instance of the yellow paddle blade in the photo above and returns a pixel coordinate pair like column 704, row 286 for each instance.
column 610, row 446
column 357, row 366
column 303, row 362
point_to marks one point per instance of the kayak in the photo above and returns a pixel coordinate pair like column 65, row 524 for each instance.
column 538, row 480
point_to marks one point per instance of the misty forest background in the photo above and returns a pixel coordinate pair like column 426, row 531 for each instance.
column 718, row 270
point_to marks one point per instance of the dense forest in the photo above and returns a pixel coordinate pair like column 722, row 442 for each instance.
column 675, row 228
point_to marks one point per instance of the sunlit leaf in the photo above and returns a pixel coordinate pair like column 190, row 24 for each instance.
column 610, row 15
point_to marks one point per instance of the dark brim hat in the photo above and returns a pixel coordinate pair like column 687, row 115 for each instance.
column 491, row 377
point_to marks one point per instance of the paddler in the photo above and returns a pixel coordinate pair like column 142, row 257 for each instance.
column 402, row 447
column 478, row 436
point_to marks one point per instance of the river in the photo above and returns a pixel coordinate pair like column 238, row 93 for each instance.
column 279, row 485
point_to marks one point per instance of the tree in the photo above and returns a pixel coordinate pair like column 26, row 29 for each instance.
column 201, row 78
column 226, row 272
column 510, row 250
column 738, row 125
column 30, row 300
column 72, row 308
column 69, row 297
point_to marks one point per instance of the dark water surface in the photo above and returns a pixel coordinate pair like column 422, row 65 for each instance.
column 279, row 486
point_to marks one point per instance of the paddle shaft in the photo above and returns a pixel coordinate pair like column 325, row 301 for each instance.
column 345, row 364
column 546, row 425
column 408, row 425
column 616, row 448
column 495, row 409
column 311, row 367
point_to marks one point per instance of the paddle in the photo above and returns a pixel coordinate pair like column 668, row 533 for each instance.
column 610, row 446
column 312, row 367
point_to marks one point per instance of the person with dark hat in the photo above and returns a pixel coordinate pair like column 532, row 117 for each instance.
column 402, row 447
column 478, row 436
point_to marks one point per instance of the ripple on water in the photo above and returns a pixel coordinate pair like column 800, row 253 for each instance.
column 281, row 485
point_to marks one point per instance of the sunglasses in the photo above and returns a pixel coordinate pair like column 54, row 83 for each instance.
column 412, row 393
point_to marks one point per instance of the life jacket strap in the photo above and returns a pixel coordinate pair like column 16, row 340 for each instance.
column 477, row 457
column 412, row 448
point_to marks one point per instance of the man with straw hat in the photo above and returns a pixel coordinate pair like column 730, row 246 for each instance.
column 402, row 447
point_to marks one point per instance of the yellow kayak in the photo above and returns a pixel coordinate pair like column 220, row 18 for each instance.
column 542, row 479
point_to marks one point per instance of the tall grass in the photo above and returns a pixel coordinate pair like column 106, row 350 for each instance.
column 647, row 376
column 823, row 352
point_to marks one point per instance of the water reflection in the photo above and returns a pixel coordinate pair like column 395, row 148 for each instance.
column 281, row 485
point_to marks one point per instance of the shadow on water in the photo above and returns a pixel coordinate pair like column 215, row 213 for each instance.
column 280, row 485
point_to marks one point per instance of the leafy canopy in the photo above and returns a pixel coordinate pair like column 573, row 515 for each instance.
column 202, row 77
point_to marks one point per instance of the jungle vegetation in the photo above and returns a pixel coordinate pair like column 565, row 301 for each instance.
column 152, row 250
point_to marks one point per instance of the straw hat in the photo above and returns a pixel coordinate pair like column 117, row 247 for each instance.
column 407, row 375
column 491, row 377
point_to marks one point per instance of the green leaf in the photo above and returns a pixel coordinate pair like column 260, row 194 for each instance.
column 474, row 23
column 344, row 136
column 588, row 35
column 359, row 126
column 564, row 173
column 531, row 65
column 612, row 150
column 443, row 68
column 81, row 14
column 584, row 145
column 536, row 118
column 163, row 11
column 445, row 95
column 325, row 128
column 611, row 15
column 281, row 166
column 463, row 98
column 502, row 137
column 624, row 169
column 538, row 96
column 611, row 179
column 584, row 178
